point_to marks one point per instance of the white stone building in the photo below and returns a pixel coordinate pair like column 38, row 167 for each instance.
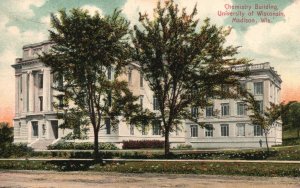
column 36, row 123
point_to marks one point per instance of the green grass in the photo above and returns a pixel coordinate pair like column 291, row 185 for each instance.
column 290, row 137
column 248, row 169
column 276, row 153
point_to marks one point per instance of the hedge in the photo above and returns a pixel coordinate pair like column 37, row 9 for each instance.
column 15, row 150
column 143, row 144
column 81, row 146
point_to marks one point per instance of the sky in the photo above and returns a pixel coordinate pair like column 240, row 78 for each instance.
column 278, row 41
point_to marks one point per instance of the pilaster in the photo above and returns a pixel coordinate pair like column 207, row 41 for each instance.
column 46, row 89
column 31, row 91
column 24, row 91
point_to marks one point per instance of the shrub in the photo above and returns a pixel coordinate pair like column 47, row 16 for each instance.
column 143, row 144
column 81, row 146
column 6, row 134
column 184, row 146
column 290, row 141
column 108, row 146
column 15, row 150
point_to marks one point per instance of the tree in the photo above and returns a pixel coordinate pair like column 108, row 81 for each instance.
column 291, row 119
column 6, row 134
column 184, row 64
column 76, row 120
column 87, row 57
column 265, row 118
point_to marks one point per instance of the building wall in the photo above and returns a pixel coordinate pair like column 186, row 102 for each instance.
column 29, row 72
column 271, row 93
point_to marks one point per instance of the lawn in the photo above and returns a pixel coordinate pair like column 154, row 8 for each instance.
column 236, row 168
column 276, row 153
column 290, row 137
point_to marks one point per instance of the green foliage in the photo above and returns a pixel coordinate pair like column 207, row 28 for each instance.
column 287, row 153
column 268, row 117
column 74, row 119
column 291, row 119
column 81, row 146
column 88, row 54
column 7, row 148
column 185, row 64
column 248, row 169
column 184, row 146
column 143, row 144
column 15, row 150
column 236, row 168
column 290, row 141
column 6, row 134
column 49, row 165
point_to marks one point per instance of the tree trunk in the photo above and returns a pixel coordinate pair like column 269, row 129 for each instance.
column 96, row 146
column 167, row 144
column 266, row 135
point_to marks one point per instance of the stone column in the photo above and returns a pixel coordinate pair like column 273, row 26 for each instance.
column 17, row 94
column 46, row 89
column 31, row 92
column 24, row 91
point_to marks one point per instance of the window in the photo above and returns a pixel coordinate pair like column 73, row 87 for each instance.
column 177, row 130
column 141, row 100
column 130, row 76
column 21, row 84
column 58, row 81
column 60, row 99
column 261, row 106
column 242, row 87
column 241, row 109
column 225, row 109
column 225, row 88
column 209, row 111
column 209, row 131
column 224, row 130
column 131, row 129
column 194, row 111
column 107, row 126
column 109, row 73
column 41, row 103
column 156, row 128
column 109, row 98
column 40, row 81
column 144, row 130
column 155, row 103
column 240, row 129
column 258, row 88
column 35, row 128
column 271, row 90
column 194, row 130
column 141, row 80
column 44, row 129
column 258, row 130
column 20, row 127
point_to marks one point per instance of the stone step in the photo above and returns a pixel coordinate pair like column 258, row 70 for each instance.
column 41, row 144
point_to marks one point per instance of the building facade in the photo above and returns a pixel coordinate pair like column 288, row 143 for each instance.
column 36, row 122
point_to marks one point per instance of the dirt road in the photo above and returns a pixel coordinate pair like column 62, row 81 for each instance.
column 93, row 179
